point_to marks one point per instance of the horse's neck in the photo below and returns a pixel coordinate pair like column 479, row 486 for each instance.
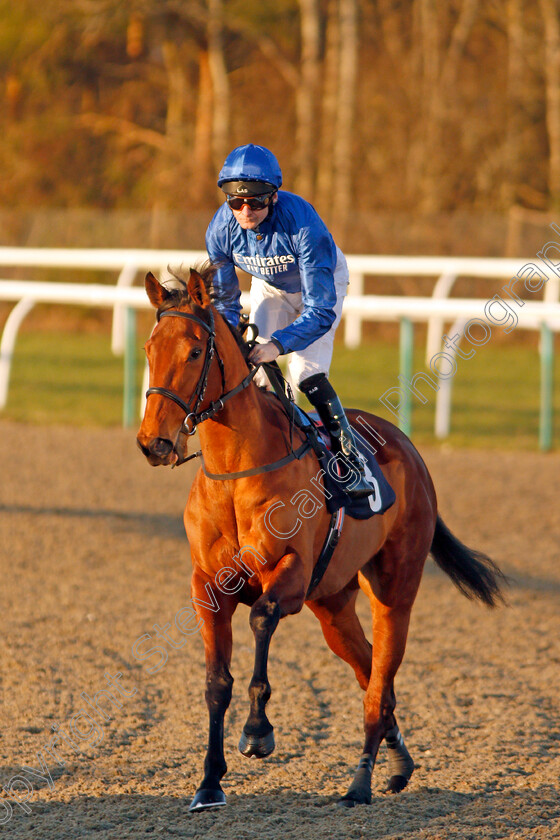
column 245, row 434
column 248, row 431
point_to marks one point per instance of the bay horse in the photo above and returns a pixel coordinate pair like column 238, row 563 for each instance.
column 199, row 376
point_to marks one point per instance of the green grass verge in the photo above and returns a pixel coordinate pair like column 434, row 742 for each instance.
column 67, row 378
column 495, row 397
column 71, row 378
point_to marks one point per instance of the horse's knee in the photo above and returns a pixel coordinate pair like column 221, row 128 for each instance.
column 219, row 687
column 265, row 615
column 259, row 691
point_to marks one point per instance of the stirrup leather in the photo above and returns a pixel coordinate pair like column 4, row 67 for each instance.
column 336, row 423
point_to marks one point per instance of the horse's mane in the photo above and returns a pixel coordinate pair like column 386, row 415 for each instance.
column 179, row 296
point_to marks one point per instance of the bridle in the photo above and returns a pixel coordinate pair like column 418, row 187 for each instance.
column 192, row 416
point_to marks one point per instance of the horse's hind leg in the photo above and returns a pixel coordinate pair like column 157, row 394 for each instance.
column 391, row 605
column 343, row 632
column 401, row 765
column 389, row 637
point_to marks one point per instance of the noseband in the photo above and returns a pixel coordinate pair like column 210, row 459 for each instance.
column 192, row 415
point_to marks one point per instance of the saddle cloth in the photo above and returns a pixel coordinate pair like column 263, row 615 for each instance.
column 338, row 478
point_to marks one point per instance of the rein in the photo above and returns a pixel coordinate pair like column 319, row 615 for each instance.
column 291, row 456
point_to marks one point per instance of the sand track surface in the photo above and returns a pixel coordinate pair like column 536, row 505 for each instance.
column 93, row 555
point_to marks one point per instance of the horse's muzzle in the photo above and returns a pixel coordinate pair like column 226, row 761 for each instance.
column 158, row 451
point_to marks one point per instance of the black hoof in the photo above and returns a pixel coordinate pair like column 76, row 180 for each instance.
column 396, row 784
column 256, row 746
column 346, row 803
column 207, row 799
column 354, row 798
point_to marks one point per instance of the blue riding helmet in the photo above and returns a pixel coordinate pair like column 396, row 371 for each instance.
column 250, row 163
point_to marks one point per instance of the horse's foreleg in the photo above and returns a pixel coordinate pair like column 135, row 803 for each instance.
column 284, row 594
column 257, row 738
column 217, row 637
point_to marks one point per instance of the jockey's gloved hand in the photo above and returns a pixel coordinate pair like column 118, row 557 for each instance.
column 264, row 353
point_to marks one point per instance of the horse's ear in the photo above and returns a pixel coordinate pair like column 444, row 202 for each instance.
column 197, row 290
column 155, row 291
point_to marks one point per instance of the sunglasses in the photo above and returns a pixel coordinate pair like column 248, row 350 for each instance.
column 256, row 202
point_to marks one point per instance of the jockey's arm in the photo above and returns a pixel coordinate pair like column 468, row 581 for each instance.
column 317, row 262
column 226, row 284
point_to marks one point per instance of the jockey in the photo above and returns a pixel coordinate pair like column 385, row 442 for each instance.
column 299, row 280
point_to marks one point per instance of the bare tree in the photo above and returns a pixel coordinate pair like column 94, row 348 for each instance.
column 550, row 11
column 307, row 97
column 515, row 78
column 174, row 139
column 329, row 98
column 202, row 163
column 334, row 151
column 346, row 106
column 220, row 84
column 439, row 75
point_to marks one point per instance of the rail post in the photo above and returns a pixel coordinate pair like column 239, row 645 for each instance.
column 7, row 345
column 125, row 279
column 547, row 388
column 129, row 390
column 406, row 353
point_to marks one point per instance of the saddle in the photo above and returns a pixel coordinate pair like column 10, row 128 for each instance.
column 337, row 477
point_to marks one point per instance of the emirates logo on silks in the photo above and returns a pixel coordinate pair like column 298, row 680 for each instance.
column 241, row 189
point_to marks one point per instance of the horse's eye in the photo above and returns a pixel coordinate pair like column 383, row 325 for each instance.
column 194, row 354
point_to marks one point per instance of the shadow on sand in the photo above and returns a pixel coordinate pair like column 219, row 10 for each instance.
column 283, row 815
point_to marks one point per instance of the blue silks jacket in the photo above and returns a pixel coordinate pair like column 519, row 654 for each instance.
column 292, row 250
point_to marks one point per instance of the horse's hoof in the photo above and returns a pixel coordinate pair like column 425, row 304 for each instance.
column 346, row 803
column 207, row 799
column 396, row 784
column 353, row 798
column 256, row 746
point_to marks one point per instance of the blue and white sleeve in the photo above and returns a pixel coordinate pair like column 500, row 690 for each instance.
column 225, row 282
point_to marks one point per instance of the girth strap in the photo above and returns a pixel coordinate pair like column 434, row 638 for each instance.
column 331, row 541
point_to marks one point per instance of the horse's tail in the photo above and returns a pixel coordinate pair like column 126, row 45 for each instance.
column 475, row 574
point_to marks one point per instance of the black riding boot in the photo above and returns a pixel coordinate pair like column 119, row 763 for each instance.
column 322, row 396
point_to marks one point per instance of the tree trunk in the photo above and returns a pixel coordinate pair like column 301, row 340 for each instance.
column 431, row 107
column 514, row 127
column 176, row 88
column 201, row 169
column 440, row 71
column 220, row 83
column 346, row 107
column 551, row 17
column 328, row 115
column 169, row 161
column 307, row 96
